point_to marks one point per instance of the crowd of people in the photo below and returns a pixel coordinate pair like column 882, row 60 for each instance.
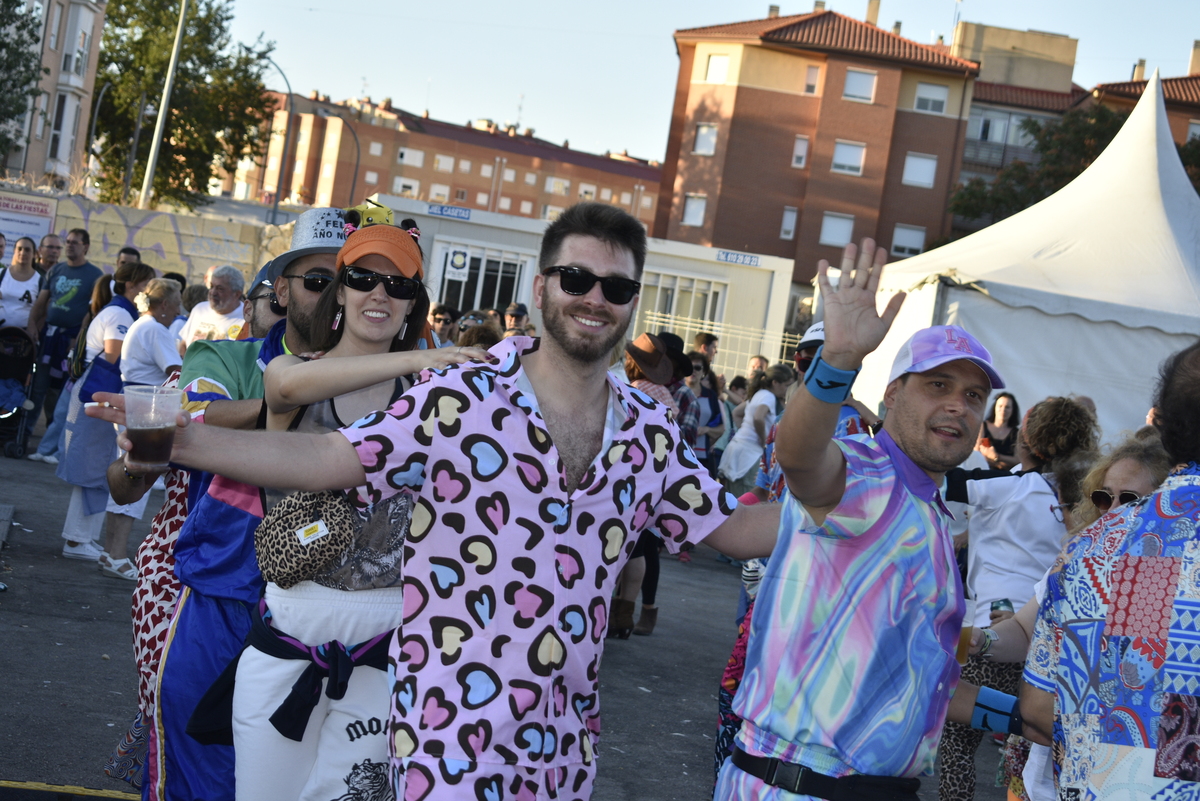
column 396, row 536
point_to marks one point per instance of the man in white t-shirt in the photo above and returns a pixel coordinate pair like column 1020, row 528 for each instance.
column 221, row 316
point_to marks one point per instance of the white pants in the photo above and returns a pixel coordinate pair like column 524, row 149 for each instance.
column 80, row 527
column 346, row 739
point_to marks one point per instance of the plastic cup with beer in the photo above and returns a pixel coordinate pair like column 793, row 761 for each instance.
column 150, row 425
column 964, row 637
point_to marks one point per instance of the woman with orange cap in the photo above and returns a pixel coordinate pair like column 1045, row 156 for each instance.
column 370, row 324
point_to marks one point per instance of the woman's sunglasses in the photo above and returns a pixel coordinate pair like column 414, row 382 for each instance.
column 313, row 282
column 397, row 286
column 470, row 321
column 1104, row 500
column 578, row 281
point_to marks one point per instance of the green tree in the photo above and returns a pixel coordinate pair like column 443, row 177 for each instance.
column 1065, row 148
column 20, row 69
column 219, row 112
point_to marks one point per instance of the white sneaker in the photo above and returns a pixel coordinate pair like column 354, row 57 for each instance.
column 84, row 551
column 35, row 457
column 51, row 459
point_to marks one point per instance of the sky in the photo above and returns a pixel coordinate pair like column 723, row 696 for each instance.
column 602, row 75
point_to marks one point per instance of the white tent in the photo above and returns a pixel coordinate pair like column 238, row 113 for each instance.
column 1085, row 293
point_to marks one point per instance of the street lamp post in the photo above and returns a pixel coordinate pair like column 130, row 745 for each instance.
column 163, row 110
column 95, row 115
column 287, row 141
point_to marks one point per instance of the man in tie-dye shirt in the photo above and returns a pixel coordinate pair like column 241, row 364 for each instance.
column 851, row 664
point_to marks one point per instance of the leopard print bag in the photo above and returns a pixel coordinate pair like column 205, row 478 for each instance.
column 303, row 535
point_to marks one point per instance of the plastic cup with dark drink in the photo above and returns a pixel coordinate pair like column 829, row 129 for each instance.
column 150, row 425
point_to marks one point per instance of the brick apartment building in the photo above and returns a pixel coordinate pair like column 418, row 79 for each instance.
column 794, row 135
column 53, row 132
column 479, row 165
column 1182, row 96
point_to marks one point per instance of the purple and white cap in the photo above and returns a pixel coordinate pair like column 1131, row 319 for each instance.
column 939, row 344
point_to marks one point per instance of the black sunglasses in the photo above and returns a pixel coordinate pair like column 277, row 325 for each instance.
column 578, row 281
column 442, row 320
column 314, row 282
column 1103, row 500
column 397, row 286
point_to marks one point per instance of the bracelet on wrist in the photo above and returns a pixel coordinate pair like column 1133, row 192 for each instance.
column 990, row 638
column 827, row 383
column 129, row 475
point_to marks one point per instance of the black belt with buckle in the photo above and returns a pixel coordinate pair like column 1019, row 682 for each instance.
column 806, row 781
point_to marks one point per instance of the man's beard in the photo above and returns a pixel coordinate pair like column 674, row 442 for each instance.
column 585, row 350
column 300, row 322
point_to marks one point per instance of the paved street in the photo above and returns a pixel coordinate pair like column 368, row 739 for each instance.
column 69, row 687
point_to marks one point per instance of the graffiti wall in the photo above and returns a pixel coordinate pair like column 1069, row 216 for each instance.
column 168, row 242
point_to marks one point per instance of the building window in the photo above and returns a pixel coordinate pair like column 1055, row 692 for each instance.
column 460, row 196
column 468, row 277
column 626, row 198
column 788, row 229
column 505, row 203
column 706, row 139
column 464, row 165
column 557, row 186
column 371, row 177
column 932, row 97
column 811, row 76
column 55, row 24
column 682, row 296
column 56, row 128
column 510, row 175
column 718, row 69
column 531, row 178
column 800, row 152
column 40, row 112
column 527, row 207
column 848, row 157
column 988, row 126
column 411, row 158
column 860, row 86
column 439, row 193
column 908, row 240
column 443, row 163
column 837, row 229
column 405, row 187
column 375, row 148
column 587, row 191
column 487, row 170
column 647, row 201
column 1193, row 129
column 920, row 170
column 481, row 199
column 693, row 210
column 606, row 195
column 81, row 54
column 551, row 212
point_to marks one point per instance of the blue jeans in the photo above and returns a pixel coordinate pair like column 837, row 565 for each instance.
column 51, row 443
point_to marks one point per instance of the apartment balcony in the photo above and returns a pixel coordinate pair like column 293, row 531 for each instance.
column 996, row 154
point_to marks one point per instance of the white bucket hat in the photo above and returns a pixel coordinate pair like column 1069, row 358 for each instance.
column 316, row 231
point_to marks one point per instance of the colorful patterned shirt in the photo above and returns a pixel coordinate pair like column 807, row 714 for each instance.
column 507, row 575
column 850, row 665
column 1118, row 642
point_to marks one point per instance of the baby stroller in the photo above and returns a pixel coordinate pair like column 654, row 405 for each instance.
column 17, row 357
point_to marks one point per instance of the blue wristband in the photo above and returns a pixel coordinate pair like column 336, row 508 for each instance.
column 992, row 710
column 826, row 383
